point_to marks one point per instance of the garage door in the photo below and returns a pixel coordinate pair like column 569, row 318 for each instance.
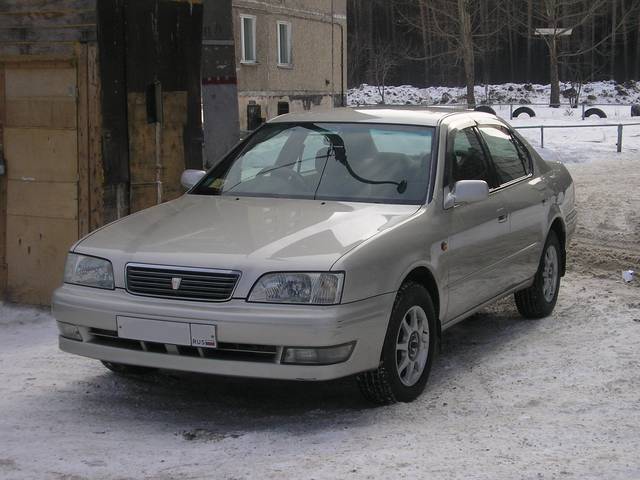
column 41, row 150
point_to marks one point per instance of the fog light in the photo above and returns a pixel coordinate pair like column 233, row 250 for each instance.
column 318, row 355
column 69, row 331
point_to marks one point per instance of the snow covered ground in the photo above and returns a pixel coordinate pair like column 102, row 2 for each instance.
column 604, row 92
column 507, row 398
column 581, row 143
column 578, row 145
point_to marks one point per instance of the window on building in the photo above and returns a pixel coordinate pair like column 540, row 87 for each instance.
column 248, row 34
column 284, row 43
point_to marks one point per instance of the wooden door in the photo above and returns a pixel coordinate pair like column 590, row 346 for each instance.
column 40, row 140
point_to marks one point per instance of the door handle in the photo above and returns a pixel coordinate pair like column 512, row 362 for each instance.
column 503, row 217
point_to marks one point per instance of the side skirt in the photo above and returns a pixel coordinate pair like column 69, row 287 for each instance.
column 506, row 293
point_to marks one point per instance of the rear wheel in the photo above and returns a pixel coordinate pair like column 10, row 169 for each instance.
column 123, row 369
column 539, row 299
column 408, row 350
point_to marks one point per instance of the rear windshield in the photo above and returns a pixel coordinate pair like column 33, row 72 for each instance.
column 328, row 161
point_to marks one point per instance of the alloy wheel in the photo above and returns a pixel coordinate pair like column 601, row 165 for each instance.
column 550, row 273
column 412, row 345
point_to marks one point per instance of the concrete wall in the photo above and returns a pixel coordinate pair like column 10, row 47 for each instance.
column 316, row 78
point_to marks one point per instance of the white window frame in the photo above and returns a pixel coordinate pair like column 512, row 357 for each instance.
column 253, row 19
column 280, row 23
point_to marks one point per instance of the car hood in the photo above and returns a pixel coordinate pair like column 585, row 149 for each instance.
column 252, row 235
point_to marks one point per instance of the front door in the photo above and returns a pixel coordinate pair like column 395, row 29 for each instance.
column 40, row 143
column 477, row 231
column 525, row 198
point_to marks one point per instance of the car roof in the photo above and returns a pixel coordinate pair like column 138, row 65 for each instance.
column 401, row 115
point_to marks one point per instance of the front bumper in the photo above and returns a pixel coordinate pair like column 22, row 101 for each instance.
column 237, row 322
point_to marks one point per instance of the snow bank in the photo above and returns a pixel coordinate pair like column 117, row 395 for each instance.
column 569, row 145
column 604, row 92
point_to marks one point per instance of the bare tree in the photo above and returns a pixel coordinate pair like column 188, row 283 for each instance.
column 458, row 28
column 383, row 60
column 558, row 18
column 493, row 40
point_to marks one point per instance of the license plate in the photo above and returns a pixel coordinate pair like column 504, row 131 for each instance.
column 203, row 336
column 159, row 331
column 174, row 333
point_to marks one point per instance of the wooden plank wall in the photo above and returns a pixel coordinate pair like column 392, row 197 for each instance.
column 3, row 192
column 50, row 47
column 113, row 113
column 90, row 167
column 163, row 43
column 138, row 42
column 142, row 146
column 45, row 27
column 96, row 168
column 42, row 177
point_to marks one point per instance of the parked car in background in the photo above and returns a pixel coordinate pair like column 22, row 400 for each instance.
column 326, row 245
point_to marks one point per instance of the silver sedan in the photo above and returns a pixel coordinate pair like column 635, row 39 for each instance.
column 326, row 245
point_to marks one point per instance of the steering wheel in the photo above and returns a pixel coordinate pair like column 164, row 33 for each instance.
column 288, row 175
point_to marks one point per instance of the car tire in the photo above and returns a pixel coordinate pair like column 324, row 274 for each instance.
column 520, row 110
column 408, row 350
column 539, row 299
column 594, row 111
column 485, row 109
column 122, row 369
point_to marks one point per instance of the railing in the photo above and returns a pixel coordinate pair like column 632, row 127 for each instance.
column 619, row 126
column 584, row 106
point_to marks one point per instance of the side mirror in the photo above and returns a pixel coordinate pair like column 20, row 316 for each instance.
column 467, row 191
column 190, row 177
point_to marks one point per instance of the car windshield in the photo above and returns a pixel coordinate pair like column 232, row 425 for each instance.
column 328, row 161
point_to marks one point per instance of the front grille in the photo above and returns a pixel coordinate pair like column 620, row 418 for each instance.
column 225, row 351
column 194, row 284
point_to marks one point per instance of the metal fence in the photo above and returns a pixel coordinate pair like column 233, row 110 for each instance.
column 584, row 106
column 619, row 126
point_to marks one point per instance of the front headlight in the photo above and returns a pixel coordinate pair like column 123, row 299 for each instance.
column 88, row 271
column 318, row 288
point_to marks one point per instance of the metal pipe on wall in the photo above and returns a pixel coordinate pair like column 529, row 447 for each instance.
column 333, row 47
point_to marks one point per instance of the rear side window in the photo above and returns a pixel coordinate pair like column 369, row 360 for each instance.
column 510, row 161
column 466, row 157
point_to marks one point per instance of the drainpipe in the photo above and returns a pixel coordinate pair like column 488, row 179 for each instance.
column 158, row 164
column 333, row 87
column 343, row 103
column 333, row 23
column 154, row 108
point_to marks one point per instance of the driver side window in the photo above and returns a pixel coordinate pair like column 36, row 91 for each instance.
column 466, row 159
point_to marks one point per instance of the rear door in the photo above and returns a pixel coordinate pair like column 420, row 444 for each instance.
column 524, row 197
column 477, row 231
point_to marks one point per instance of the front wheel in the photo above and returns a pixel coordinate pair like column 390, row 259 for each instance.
column 539, row 299
column 408, row 350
